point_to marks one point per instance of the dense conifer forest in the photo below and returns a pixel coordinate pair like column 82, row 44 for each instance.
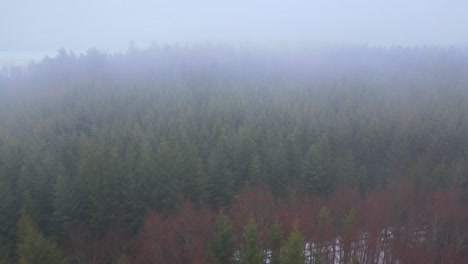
column 209, row 154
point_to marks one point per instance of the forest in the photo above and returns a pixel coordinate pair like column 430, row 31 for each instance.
column 210, row 154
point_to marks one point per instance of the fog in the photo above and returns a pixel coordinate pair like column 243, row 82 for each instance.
column 27, row 25
column 207, row 132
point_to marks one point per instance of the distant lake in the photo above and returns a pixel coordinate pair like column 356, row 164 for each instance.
column 22, row 58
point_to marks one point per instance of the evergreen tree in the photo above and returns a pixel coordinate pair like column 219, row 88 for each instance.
column 276, row 166
column 8, row 218
column 222, row 247
column 68, row 202
column 37, row 176
column 293, row 252
column 88, row 140
column 220, row 183
column 189, row 178
column 252, row 249
column 201, row 180
column 399, row 153
column 346, row 171
column 33, row 247
column 256, row 171
column 293, row 159
column 168, row 174
column 241, row 151
column 315, row 177
column 107, row 184
column 276, row 243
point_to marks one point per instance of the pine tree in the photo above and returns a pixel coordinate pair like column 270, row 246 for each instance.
column 222, row 247
column 33, row 247
column 293, row 252
column 252, row 250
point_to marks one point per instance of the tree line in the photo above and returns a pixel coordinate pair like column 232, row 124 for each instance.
column 208, row 154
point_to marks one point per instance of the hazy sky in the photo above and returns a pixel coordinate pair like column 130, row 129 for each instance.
column 112, row 24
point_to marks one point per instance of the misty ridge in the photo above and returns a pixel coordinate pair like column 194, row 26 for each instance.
column 210, row 153
column 316, row 64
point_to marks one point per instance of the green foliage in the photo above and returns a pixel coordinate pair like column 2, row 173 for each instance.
column 37, row 175
column 277, row 167
column 33, row 247
column 7, row 255
column 168, row 173
column 315, row 177
column 100, row 139
column 276, row 241
column 220, row 182
column 256, row 171
column 293, row 252
column 241, row 149
column 346, row 170
column 222, row 246
column 107, row 184
column 251, row 251
column 355, row 260
column 69, row 202
column 8, row 218
column 324, row 218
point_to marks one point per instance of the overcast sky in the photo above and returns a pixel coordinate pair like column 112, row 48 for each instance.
column 112, row 24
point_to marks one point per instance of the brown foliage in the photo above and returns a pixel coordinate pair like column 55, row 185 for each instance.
column 179, row 238
column 257, row 202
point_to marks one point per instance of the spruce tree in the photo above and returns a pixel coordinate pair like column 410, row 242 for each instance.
column 222, row 247
column 293, row 252
column 220, row 183
column 33, row 247
column 67, row 202
column 8, row 218
column 315, row 177
column 276, row 243
column 252, row 249
column 168, row 173
column 256, row 171
column 276, row 168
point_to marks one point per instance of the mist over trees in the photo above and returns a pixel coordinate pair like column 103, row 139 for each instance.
column 210, row 154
